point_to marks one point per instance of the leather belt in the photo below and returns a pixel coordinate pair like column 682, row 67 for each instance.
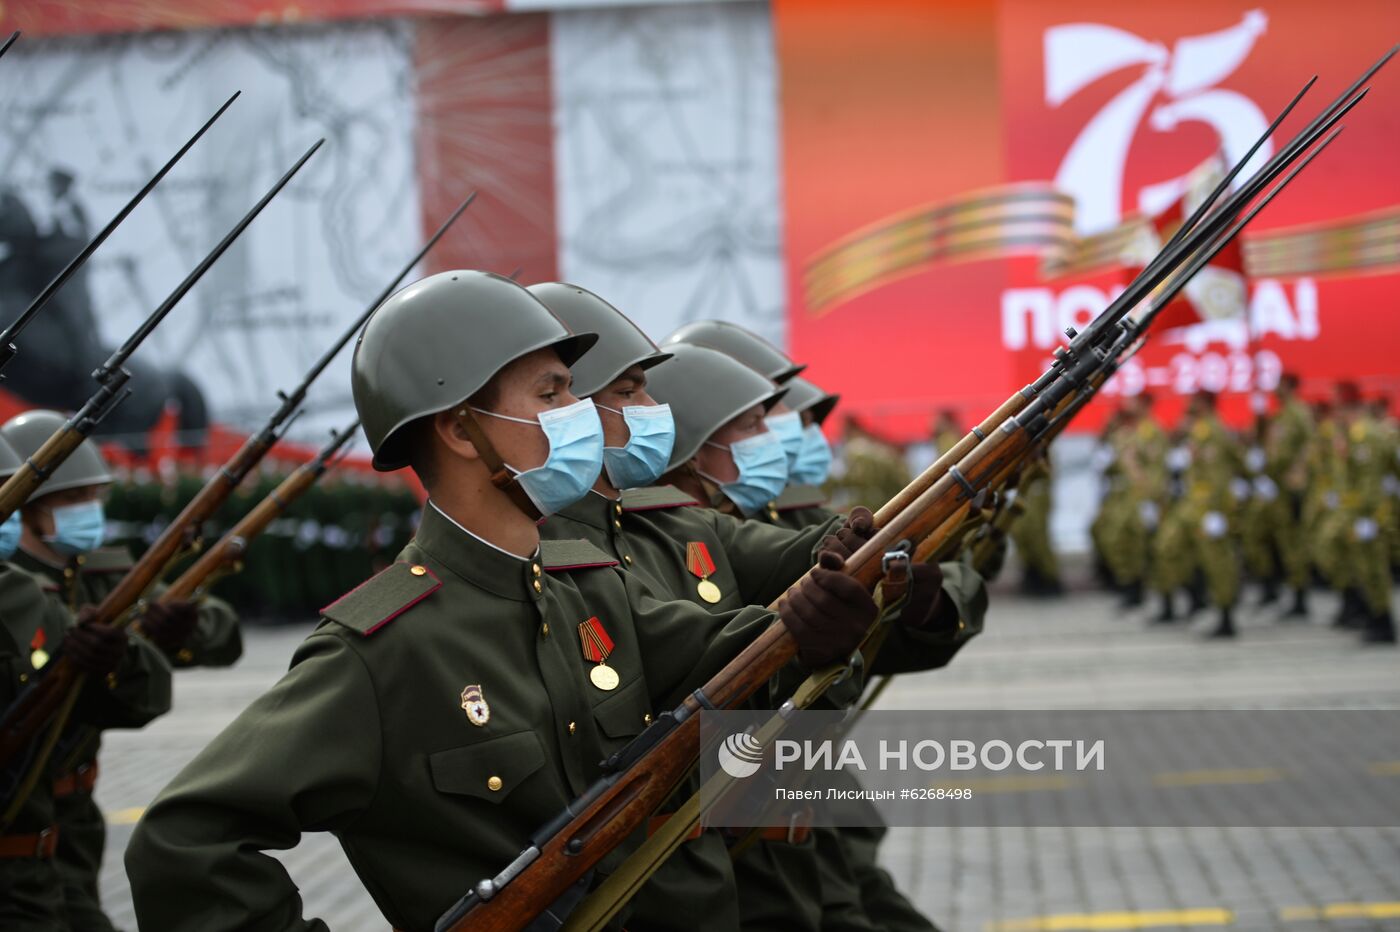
column 38, row 847
column 81, row 780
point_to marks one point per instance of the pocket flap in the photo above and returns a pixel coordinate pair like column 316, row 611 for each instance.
column 623, row 715
column 488, row 769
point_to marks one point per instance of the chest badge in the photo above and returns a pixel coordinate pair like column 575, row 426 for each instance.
column 37, row 655
column 474, row 704
column 702, row 565
column 597, row 647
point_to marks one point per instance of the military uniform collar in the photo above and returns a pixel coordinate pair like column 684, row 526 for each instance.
column 594, row 510
column 478, row 561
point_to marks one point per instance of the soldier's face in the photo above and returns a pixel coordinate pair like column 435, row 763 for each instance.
column 38, row 514
column 717, row 461
column 530, row 385
column 627, row 390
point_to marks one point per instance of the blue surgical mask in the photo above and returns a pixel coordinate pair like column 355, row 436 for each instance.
column 78, row 528
column 642, row 461
column 814, row 462
column 9, row 536
column 762, row 471
column 575, row 456
column 788, row 427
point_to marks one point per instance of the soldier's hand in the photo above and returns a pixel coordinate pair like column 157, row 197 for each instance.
column 851, row 536
column 94, row 648
column 926, row 608
column 169, row 624
column 828, row 613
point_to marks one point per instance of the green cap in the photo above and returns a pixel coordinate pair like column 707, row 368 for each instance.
column 706, row 390
column 436, row 343
column 732, row 340
column 804, row 396
column 27, row 432
column 621, row 343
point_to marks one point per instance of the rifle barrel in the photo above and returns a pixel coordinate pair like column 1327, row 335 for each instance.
column 14, row 36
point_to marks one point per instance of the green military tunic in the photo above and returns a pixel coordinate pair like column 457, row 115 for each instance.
column 31, row 628
column 651, row 532
column 216, row 641
column 441, row 713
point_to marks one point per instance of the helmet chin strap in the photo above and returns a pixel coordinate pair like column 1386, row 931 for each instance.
column 501, row 476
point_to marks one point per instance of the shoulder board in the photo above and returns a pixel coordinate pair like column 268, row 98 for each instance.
column 799, row 496
column 383, row 597
column 559, row 556
column 655, row 498
column 108, row 560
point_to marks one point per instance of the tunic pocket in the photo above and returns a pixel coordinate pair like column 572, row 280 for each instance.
column 623, row 714
column 490, row 769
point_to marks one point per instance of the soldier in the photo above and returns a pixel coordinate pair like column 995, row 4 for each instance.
column 1130, row 512
column 447, row 708
column 61, row 543
column 1286, row 479
column 1196, row 536
column 798, row 423
column 1366, row 456
column 1031, row 531
column 128, row 684
column 851, row 889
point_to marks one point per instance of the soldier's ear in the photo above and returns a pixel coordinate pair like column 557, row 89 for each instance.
column 453, row 436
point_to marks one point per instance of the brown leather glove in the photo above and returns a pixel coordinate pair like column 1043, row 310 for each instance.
column 828, row 613
column 851, row 536
column 169, row 624
column 93, row 648
column 926, row 608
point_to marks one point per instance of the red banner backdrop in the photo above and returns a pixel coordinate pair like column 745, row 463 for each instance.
column 893, row 110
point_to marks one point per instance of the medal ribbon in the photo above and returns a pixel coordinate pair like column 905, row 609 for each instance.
column 40, row 639
column 597, row 643
column 698, row 561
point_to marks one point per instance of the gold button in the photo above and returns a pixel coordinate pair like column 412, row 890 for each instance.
column 417, row 570
column 544, row 630
column 617, row 508
column 24, row 677
column 618, row 525
column 68, row 573
column 627, row 558
column 185, row 655
column 494, row 783
column 646, row 719
column 82, row 560
column 572, row 727
column 538, row 587
column 535, row 568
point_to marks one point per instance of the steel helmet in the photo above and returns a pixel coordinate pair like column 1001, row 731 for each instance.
column 86, row 465
column 621, row 343
column 732, row 340
column 437, row 342
column 706, row 390
column 802, row 395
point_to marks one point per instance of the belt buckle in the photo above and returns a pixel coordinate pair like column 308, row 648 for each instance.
column 41, row 843
column 900, row 554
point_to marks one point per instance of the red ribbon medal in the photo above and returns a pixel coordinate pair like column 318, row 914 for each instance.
column 701, row 564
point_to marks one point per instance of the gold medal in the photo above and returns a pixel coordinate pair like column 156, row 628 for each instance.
column 604, row 677
column 39, row 658
column 708, row 591
column 597, row 646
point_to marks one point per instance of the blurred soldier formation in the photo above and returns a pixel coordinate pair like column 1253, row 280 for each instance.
column 1305, row 498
